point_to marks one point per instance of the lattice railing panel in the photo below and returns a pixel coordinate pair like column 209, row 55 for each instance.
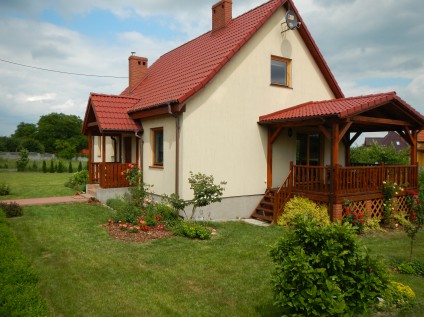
column 377, row 208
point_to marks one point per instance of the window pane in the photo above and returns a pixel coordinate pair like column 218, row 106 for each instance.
column 158, row 160
column 278, row 72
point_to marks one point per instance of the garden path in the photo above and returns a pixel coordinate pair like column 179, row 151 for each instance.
column 47, row 200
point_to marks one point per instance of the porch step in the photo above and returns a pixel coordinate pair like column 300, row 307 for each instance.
column 265, row 209
column 91, row 190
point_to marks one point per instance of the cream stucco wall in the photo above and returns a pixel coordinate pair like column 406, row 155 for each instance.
column 162, row 179
column 220, row 134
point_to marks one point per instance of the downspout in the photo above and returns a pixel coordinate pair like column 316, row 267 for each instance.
column 142, row 146
column 177, row 149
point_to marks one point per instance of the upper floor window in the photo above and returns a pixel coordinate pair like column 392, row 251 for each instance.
column 157, row 146
column 280, row 71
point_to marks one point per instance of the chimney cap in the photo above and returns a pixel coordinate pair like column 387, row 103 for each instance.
column 133, row 53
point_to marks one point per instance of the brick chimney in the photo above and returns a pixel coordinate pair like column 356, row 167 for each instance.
column 137, row 70
column 222, row 14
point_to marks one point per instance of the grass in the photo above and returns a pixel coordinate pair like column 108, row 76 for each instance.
column 394, row 247
column 35, row 185
column 19, row 293
column 84, row 272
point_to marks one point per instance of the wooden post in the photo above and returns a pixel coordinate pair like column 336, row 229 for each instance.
column 102, row 175
column 414, row 135
column 90, row 158
column 269, row 160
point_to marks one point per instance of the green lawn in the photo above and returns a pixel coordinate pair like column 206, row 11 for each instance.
column 35, row 185
column 84, row 272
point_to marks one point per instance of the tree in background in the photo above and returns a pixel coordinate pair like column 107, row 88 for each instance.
column 23, row 160
column 377, row 153
column 25, row 136
column 60, row 127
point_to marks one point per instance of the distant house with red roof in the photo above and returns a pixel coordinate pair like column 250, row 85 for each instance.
column 390, row 139
column 235, row 103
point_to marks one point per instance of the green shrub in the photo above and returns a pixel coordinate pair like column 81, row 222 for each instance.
column 412, row 267
column 4, row 189
column 19, row 294
column 114, row 203
column 126, row 213
column 397, row 295
column 300, row 207
column 44, row 167
column 11, row 209
column 79, row 166
column 323, row 271
column 51, row 169
column 192, row 230
column 70, row 168
column 78, row 181
column 60, row 167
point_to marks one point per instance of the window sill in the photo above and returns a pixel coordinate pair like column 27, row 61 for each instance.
column 280, row 85
column 156, row 166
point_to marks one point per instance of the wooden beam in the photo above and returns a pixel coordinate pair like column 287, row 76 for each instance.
column 162, row 110
column 379, row 121
column 276, row 134
column 344, row 130
column 325, row 132
column 355, row 137
column 93, row 124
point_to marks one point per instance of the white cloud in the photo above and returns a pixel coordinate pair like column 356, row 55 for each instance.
column 360, row 39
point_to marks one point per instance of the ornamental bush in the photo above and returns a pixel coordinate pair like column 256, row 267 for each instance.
column 323, row 271
column 78, row 180
column 304, row 208
column 11, row 209
column 4, row 189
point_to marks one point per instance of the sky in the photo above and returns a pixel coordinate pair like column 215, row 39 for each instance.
column 371, row 47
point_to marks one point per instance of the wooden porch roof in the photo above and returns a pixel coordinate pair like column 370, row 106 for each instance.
column 371, row 113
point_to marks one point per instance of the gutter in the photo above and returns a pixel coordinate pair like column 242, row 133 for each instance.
column 142, row 146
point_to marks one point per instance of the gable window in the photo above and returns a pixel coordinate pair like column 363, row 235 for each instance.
column 280, row 71
column 157, row 146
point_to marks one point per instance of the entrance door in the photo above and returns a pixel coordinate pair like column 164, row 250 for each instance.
column 127, row 149
column 308, row 149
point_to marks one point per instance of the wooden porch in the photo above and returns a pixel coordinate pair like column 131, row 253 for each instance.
column 334, row 186
column 108, row 175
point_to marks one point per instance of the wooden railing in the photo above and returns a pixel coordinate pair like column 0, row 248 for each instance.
column 283, row 195
column 352, row 180
column 108, row 175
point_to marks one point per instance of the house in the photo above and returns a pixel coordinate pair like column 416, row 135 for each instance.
column 420, row 148
column 235, row 103
column 390, row 139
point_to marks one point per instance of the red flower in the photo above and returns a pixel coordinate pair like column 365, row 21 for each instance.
column 158, row 218
column 145, row 228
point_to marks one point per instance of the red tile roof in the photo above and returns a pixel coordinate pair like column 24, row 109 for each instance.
column 111, row 113
column 342, row 107
column 182, row 72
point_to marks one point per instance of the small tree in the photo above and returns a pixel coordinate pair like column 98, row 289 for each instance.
column 51, row 170
column 204, row 190
column 79, row 166
column 44, row 167
column 60, row 167
column 70, row 169
column 23, row 160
